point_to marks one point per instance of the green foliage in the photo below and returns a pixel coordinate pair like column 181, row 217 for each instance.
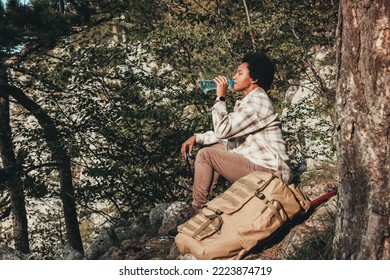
column 308, row 132
column 122, row 121
column 47, row 226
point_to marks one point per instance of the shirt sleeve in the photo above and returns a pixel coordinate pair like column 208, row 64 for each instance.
column 245, row 120
column 207, row 138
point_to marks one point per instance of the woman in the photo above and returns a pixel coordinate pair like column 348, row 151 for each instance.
column 245, row 140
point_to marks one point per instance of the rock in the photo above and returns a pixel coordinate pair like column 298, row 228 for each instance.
column 103, row 242
column 146, row 248
column 133, row 232
column 156, row 217
column 176, row 214
column 66, row 252
column 123, row 252
column 114, row 237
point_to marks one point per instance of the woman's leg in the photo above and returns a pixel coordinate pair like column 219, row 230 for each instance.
column 213, row 161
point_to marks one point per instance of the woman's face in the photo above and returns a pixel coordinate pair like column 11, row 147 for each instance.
column 242, row 81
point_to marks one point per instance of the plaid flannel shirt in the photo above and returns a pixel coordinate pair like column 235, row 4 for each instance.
column 251, row 130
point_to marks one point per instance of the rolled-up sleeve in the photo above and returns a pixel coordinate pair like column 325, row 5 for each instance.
column 207, row 138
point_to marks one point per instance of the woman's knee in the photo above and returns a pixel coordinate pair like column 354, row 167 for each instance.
column 203, row 154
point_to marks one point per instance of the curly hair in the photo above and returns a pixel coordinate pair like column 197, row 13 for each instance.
column 261, row 68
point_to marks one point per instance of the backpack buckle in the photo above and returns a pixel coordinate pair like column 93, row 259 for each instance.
column 259, row 194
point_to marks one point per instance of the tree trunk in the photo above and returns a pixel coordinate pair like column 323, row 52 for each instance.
column 363, row 118
column 60, row 155
column 14, row 183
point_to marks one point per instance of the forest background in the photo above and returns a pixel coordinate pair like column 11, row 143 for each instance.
column 96, row 99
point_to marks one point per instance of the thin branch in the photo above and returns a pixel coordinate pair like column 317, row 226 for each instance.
column 248, row 17
column 48, row 164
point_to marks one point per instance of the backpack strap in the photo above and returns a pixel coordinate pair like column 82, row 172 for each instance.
column 270, row 205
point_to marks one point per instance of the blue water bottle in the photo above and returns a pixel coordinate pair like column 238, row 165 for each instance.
column 208, row 85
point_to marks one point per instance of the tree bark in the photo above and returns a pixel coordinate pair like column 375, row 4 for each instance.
column 14, row 182
column 60, row 156
column 362, row 124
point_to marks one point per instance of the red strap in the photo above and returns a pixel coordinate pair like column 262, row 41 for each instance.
column 323, row 197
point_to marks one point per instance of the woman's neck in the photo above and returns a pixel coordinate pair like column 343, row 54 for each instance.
column 249, row 89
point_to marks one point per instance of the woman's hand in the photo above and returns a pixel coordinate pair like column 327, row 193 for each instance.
column 187, row 146
column 222, row 85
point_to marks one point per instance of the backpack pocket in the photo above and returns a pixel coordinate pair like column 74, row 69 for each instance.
column 269, row 217
column 204, row 224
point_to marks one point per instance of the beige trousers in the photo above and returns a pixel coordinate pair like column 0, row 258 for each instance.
column 213, row 161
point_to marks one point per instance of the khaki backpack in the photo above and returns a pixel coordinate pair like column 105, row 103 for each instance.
column 231, row 224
